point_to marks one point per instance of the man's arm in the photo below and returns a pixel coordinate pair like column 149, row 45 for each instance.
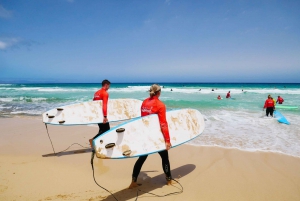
column 104, row 107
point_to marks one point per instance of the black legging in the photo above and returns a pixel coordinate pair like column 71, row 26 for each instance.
column 269, row 110
column 165, row 165
column 102, row 128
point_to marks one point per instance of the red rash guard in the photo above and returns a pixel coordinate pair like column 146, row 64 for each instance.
column 280, row 100
column 153, row 105
column 269, row 103
column 228, row 95
column 102, row 95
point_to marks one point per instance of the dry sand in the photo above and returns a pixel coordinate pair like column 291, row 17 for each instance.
column 30, row 171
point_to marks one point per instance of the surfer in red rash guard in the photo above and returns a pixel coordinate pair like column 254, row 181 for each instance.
column 279, row 100
column 269, row 104
column 153, row 105
column 228, row 95
column 102, row 94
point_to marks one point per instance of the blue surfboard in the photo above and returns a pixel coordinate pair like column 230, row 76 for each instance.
column 280, row 118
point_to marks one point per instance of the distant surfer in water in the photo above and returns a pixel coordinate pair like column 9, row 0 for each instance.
column 153, row 105
column 103, row 95
column 269, row 105
column 228, row 95
column 219, row 97
column 279, row 100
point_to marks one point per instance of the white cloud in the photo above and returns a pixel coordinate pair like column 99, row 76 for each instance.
column 16, row 42
column 3, row 45
column 6, row 43
column 5, row 13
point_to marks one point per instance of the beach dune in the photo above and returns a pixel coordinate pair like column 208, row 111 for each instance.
column 30, row 170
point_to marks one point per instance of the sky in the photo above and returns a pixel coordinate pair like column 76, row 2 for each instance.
column 86, row 41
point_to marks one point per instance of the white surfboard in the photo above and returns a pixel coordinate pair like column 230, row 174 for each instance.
column 143, row 135
column 91, row 112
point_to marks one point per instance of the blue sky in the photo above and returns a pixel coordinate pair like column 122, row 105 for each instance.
column 150, row 41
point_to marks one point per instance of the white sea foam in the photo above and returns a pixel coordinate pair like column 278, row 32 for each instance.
column 250, row 131
column 6, row 85
column 28, row 112
column 6, row 99
column 193, row 90
column 62, row 90
column 5, row 107
column 45, row 89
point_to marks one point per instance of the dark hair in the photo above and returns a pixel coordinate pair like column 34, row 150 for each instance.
column 104, row 82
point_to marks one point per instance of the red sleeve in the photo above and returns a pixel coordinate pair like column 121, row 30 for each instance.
column 96, row 96
column 163, row 122
column 265, row 106
column 104, row 104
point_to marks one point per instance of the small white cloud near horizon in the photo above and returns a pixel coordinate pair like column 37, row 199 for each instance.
column 5, row 13
column 6, row 43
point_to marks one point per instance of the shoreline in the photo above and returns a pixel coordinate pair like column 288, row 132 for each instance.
column 113, row 124
column 30, row 171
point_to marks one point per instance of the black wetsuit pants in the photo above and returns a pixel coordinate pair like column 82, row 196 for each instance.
column 165, row 165
column 270, row 111
column 102, row 128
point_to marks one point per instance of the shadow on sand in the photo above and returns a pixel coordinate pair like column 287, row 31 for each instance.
column 149, row 184
column 64, row 153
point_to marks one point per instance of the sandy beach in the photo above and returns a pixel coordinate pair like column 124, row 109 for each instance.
column 30, row 170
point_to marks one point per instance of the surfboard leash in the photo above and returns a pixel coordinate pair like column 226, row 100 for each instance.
column 174, row 193
column 137, row 192
column 50, row 139
column 92, row 163
column 62, row 150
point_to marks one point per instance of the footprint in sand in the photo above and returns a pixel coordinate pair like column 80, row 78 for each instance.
column 3, row 188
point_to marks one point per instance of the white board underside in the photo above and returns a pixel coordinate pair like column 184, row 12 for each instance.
column 91, row 112
column 143, row 135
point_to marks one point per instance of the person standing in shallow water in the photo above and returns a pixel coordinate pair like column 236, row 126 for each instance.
column 153, row 105
column 103, row 95
column 279, row 100
column 269, row 105
column 228, row 95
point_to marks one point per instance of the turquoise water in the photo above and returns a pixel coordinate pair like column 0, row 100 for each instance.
column 232, row 123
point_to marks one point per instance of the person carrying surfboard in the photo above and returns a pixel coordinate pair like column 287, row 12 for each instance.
column 153, row 105
column 269, row 105
column 103, row 95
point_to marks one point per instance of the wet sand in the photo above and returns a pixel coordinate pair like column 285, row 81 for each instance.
column 30, row 171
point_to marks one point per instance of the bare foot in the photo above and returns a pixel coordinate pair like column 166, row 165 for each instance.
column 133, row 185
column 169, row 182
column 91, row 142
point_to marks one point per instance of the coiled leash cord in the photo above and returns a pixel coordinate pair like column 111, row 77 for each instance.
column 174, row 193
column 137, row 193
column 62, row 150
column 92, row 163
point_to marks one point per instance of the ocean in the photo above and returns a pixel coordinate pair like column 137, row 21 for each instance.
column 238, row 123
